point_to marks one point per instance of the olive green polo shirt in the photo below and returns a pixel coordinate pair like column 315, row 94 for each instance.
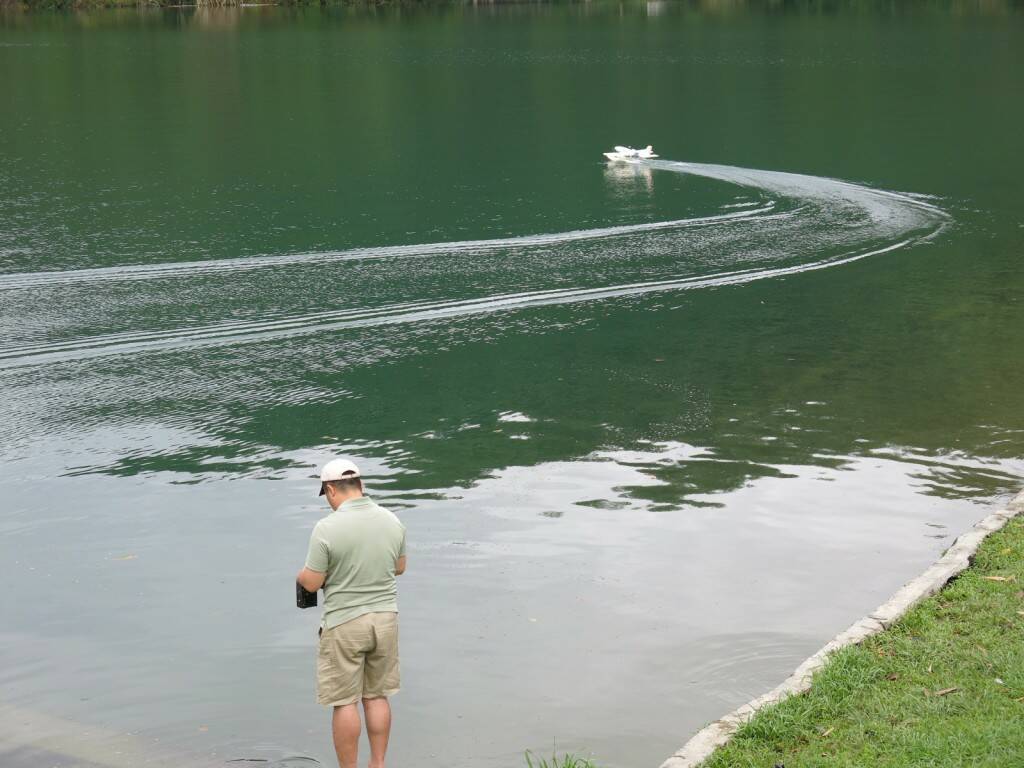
column 357, row 546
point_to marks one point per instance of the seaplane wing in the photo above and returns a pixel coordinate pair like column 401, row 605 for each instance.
column 624, row 154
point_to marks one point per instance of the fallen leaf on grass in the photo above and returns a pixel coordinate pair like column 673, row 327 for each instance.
column 929, row 669
column 944, row 691
column 998, row 578
column 1021, row 613
column 826, row 733
column 892, row 676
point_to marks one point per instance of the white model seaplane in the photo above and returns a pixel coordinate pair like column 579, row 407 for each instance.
column 627, row 154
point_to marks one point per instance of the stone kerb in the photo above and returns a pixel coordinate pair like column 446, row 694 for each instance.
column 953, row 561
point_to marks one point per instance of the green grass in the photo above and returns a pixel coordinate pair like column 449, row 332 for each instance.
column 943, row 687
column 566, row 761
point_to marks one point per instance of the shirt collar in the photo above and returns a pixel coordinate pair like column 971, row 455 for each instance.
column 354, row 503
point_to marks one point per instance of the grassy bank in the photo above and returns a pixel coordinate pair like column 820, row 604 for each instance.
column 943, row 687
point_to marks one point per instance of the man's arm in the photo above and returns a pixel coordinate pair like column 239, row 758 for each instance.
column 314, row 573
column 400, row 562
column 311, row 581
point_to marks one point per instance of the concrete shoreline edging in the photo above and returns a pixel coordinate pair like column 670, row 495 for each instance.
column 953, row 561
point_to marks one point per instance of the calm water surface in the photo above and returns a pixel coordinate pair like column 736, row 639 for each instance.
column 657, row 431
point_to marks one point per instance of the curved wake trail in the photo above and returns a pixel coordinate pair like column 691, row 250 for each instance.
column 827, row 222
column 336, row 321
column 21, row 280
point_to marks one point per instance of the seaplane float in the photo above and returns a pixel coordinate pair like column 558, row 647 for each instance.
column 628, row 154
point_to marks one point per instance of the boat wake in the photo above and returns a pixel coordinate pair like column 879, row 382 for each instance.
column 213, row 266
column 800, row 224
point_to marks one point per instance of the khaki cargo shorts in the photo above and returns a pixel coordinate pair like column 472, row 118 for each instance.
column 358, row 660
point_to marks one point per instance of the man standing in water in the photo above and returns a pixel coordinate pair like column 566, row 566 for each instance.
column 355, row 553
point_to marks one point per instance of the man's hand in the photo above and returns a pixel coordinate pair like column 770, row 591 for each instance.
column 311, row 581
column 400, row 566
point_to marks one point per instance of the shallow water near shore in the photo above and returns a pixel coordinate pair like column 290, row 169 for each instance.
column 657, row 431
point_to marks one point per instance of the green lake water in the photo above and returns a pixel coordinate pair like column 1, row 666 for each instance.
column 658, row 431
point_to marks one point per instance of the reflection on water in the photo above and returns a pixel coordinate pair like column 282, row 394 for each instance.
column 628, row 179
column 657, row 430
column 525, row 583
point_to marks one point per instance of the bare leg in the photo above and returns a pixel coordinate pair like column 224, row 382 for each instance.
column 345, row 725
column 378, row 728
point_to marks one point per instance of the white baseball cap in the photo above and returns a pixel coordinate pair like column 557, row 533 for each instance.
column 337, row 469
